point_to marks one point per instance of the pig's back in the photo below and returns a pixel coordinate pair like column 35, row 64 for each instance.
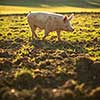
column 40, row 19
column 43, row 16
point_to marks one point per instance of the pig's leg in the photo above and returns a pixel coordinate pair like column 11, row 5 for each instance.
column 58, row 33
column 46, row 33
column 33, row 28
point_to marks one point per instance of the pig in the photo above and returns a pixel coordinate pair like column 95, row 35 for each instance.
column 49, row 22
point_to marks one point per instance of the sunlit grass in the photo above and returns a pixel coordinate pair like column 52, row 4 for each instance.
column 30, row 67
column 16, row 30
column 19, row 9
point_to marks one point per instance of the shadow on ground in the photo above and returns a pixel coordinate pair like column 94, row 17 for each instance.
column 58, row 45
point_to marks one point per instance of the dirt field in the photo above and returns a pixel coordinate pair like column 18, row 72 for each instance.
column 50, row 69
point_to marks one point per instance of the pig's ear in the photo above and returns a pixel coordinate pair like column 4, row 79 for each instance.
column 71, row 16
column 65, row 18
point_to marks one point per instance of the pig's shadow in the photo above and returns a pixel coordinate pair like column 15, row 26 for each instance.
column 45, row 44
column 49, row 44
column 61, row 45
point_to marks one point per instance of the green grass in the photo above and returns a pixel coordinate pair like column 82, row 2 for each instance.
column 24, row 6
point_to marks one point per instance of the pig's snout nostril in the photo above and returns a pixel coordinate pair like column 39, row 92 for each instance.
column 72, row 30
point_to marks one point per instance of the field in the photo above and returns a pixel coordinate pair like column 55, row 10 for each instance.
column 50, row 69
column 24, row 6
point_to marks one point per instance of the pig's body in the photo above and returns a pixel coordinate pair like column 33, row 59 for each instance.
column 49, row 22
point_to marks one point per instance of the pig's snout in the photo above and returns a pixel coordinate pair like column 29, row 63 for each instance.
column 72, row 29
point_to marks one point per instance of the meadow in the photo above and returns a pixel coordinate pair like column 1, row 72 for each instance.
column 36, row 69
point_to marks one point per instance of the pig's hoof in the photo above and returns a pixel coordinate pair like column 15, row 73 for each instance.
column 43, row 38
column 60, row 40
column 38, row 38
column 33, row 38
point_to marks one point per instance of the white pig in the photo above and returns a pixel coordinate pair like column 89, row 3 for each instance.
column 49, row 22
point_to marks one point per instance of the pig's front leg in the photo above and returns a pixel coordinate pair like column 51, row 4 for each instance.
column 58, row 34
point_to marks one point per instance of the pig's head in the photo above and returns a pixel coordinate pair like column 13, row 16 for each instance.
column 68, row 26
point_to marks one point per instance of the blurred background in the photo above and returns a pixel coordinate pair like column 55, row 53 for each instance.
column 24, row 6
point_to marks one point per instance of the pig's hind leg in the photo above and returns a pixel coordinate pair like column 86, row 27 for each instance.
column 46, row 34
column 33, row 28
